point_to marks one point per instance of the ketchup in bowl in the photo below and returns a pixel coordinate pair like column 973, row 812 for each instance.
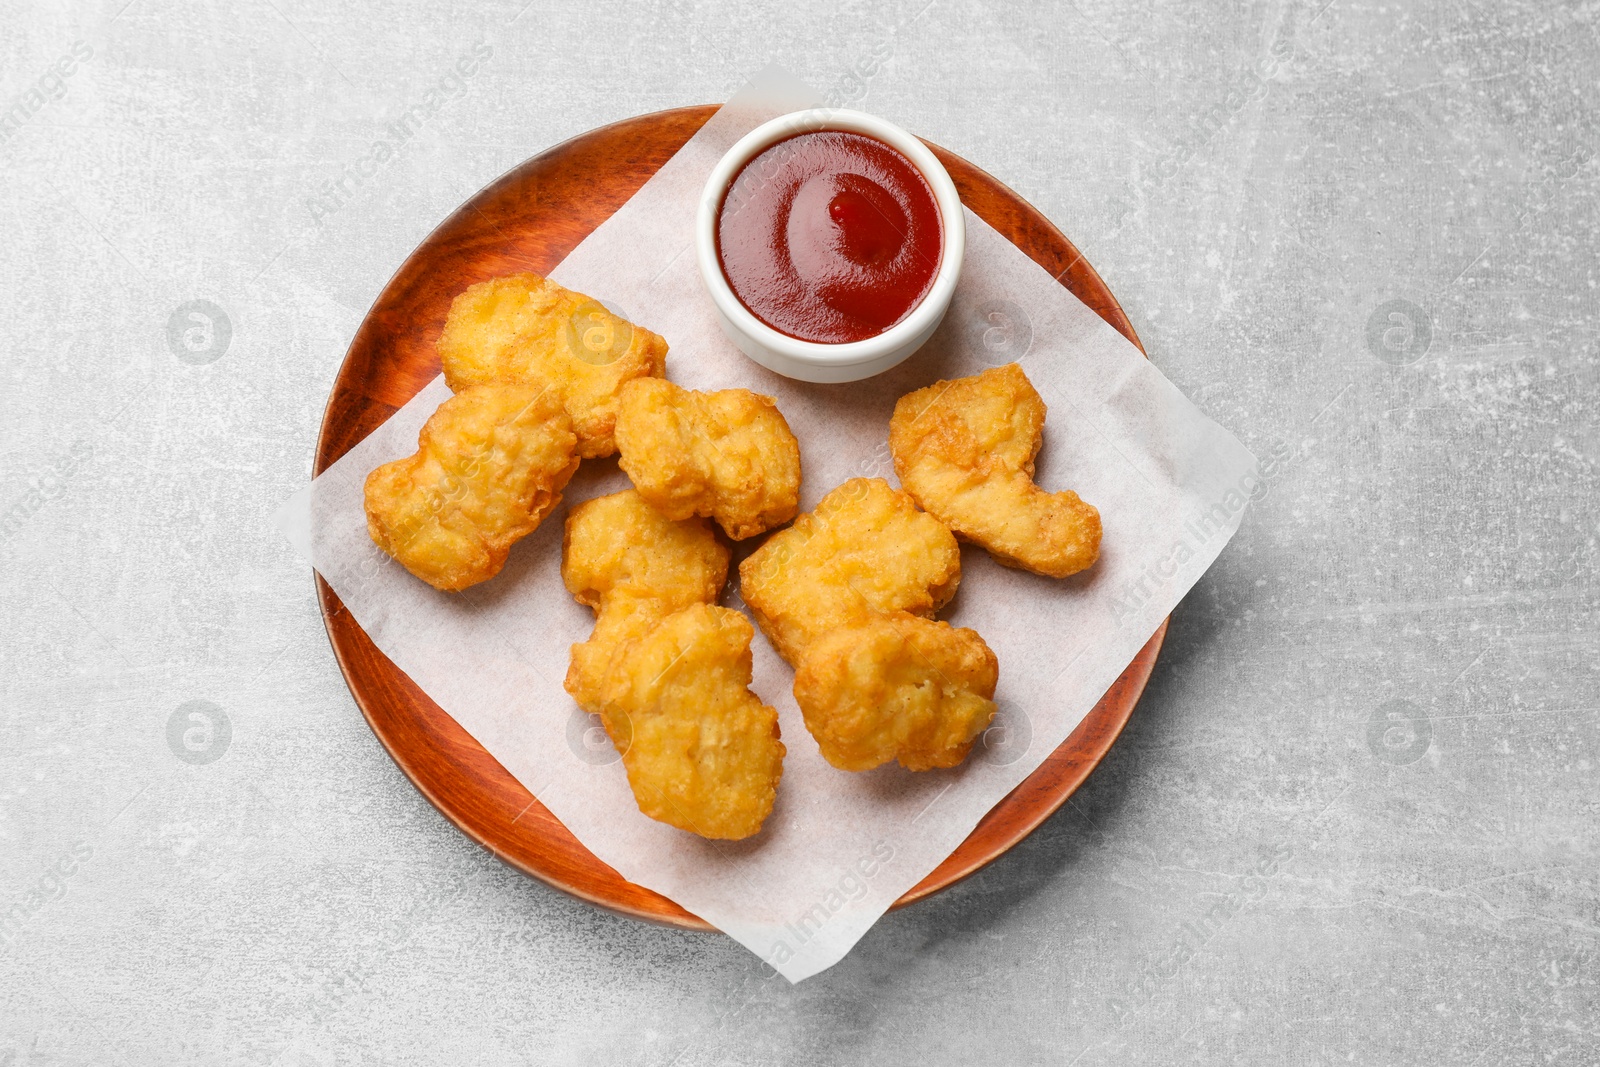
column 829, row 236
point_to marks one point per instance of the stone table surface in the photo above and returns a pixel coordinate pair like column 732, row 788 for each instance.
column 1354, row 818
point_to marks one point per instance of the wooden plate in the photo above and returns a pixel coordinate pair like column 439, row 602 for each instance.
column 529, row 220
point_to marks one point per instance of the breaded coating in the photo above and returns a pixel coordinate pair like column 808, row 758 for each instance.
column 865, row 550
column 490, row 465
column 701, row 750
column 964, row 449
column 897, row 687
column 728, row 455
column 526, row 328
column 633, row 566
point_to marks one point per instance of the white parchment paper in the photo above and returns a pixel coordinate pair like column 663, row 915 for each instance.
column 839, row 848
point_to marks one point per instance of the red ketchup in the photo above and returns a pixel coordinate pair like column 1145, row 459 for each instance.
column 830, row 236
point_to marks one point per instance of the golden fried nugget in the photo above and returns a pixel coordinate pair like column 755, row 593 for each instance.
column 667, row 672
column 701, row 750
column 964, row 449
column 728, row 455
column 865, row 550
column 633, row 566
column 490, row 465
column 897, row 687
column 526, row 328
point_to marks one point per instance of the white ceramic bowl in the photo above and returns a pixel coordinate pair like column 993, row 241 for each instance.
column 813, row 361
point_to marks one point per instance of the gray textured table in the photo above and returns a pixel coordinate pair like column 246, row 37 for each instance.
column 1354, row 818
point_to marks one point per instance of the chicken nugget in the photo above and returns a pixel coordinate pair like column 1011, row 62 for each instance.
column 490, row 464
column 728, row 455
column 701, row 750
column 526, row 328
column 633, row 566
column 897, row 687
column 964, row 449
column 865, row 550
